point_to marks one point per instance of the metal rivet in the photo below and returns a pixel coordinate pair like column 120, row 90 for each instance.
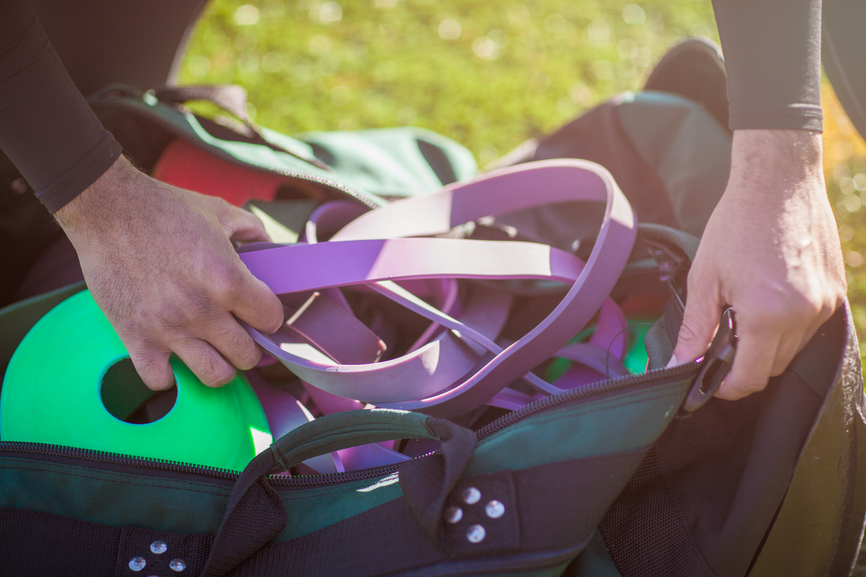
column 177, row 565
column 137, row 563
column 158, row 547
column 476, row 534
column 471, row 496
column 453, row 515
column 494, row 509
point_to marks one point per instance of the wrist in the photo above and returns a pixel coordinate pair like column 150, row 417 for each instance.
column 776, row 163
column 95, row 204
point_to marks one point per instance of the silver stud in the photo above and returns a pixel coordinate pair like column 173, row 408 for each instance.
column 476, row 534
column 177, row 565
column 494, row 509
column 137, row 563
column 453, row 515
column 158, row 547
column 471, row 496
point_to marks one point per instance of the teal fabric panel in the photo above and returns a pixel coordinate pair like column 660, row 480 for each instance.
column 619, row 423
column 112, row 498
column 312, row 509
column 179, row 506
column 686, row 146
column 391, row 161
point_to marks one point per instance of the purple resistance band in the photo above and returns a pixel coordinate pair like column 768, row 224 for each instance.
column 462, row 367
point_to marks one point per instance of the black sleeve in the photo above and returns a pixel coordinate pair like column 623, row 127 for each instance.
column 46, row 127
column 772, row 54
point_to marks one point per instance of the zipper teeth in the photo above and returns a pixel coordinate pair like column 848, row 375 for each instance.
column 229, row 158
column 116, row 458
column 328, row 478
column 589, row 390
column 178, row 467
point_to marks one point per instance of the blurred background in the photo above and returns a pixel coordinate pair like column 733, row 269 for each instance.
column 488, row 73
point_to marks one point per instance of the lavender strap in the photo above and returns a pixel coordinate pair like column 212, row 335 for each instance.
column 446, row 377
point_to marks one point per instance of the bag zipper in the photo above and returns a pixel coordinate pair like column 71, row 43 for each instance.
column 188, row 468
column 113, row 100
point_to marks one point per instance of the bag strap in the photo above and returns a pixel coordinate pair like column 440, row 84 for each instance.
column 231, row 98
column 255, row 514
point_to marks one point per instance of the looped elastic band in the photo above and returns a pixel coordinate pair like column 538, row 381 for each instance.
column 461, row 367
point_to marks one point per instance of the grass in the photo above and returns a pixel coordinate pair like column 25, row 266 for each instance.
column 487, row 74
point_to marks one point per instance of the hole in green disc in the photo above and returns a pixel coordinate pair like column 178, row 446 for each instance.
column 127, row 398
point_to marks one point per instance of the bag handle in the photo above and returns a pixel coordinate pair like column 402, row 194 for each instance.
column 232, row 99
column 255, row 514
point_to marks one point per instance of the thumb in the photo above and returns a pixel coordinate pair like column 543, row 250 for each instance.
column 700, row 323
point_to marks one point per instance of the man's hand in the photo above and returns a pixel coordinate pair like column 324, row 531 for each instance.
column 771, row 251
column 160, row 263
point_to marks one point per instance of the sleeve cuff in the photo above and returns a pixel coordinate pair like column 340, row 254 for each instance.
column 91, row 166
column 777, row 117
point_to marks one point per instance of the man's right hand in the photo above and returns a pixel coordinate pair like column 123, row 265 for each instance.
column 160, row 263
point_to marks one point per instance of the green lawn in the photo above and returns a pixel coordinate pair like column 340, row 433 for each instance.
column 487, row 73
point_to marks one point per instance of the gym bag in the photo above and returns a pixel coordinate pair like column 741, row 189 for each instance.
column 630, row 475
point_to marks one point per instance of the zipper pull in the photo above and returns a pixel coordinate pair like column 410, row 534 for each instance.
column 716, row 364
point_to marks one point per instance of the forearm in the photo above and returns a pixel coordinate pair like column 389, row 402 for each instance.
column 46, row 127
column 772, row 54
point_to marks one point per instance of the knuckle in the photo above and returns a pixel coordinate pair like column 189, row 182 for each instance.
column 222, row 377
column 236, row 346
column 687, row 335
column 213, row 371
column 228, row 281
column 183, row 311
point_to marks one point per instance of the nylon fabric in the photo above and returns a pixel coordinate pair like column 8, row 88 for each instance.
column 78, row 548
column 253, row 517
column 682, row 143
column 691, row 504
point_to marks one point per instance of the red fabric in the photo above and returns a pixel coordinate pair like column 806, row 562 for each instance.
column 187, row 166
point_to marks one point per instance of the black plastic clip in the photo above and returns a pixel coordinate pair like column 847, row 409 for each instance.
column 716, row 364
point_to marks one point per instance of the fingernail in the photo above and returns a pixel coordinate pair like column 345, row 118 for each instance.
column 673, row 362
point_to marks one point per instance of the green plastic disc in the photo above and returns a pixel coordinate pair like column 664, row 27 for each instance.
column 52, row 394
